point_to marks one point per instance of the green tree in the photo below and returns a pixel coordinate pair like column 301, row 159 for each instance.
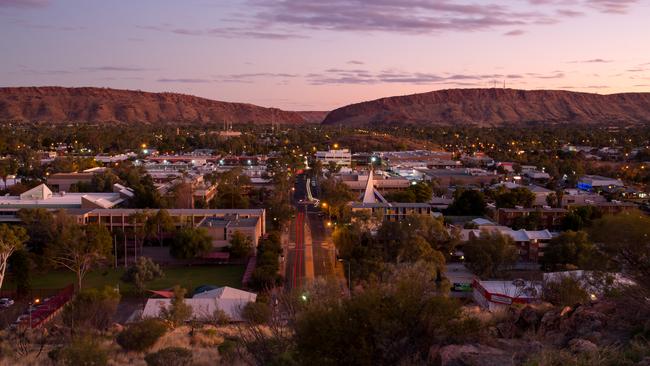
column 467, row 203
column 624, row 239
column 7, row 167
column 178, row 312
column 20, row 265
column 569, row 250
column 489, row 253
column 567, row 291
column 520, row 196
column 190, row 243
column 79, row 248
column 159, row 225
column 82, row 351
column 240, row 245
column 143, row 271
column 141, row 336
column 393, row 322
column 92, row 308
column 11, row 240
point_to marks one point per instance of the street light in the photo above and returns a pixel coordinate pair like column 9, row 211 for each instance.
column 349, row 275
column 29, row 310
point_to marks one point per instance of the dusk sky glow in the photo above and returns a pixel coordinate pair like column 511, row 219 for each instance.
column 322, row 54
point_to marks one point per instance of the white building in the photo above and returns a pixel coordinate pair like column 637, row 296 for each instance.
column 498, row 295
column 205, row 304
column 42, row 197
column 341, row 157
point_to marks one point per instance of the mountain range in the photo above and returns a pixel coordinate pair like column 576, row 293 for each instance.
column 478, row 107
column 494, row 107
column 58, row 104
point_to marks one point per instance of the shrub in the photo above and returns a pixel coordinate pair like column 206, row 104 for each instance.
column 141, row 336
column 227, row 349
column 81, row 352
column 178, row 311
column 256, row 313
column 170, row 356
column 143, row 271
column 568, row 291
column 92, row 308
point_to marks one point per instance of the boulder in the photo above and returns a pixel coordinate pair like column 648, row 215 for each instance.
column 579, row 345
column 470, row 355
column 506, row 329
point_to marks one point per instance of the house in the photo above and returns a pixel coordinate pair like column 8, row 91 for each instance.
column 530, row 243
column 205, row 304
column 597, row 182
column 499, row 295
column 221, row 229
column 546, row 217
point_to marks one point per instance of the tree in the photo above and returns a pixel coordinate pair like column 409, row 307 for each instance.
column 78, row 248
column 467, row 203
column 82, row 351
column 624, row 238
column 488, row 254
column 190, row 243
column 141, row 336
column 520, row 196
column 11, row 240
column 159, row 224
column 392, row 322
column 143, row 271
column 569, row 250
column 20, row 266
column 240, row 245
column 567, row 291
column 178, row 312
column 92, row 308
column 7, row 167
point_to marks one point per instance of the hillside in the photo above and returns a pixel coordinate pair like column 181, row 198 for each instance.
column 58, row 104
column 494, row 107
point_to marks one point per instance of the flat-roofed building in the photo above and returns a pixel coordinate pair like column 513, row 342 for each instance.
column 548, row 218
column 460, row 176
column 61, row 182
column 497, row 295
column 382, row 183
column 42, row 197
column 221, row 229
column 597, row 182
column 394, row 211
column 341, row 157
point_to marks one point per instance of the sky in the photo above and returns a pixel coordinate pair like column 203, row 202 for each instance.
column 323, row 54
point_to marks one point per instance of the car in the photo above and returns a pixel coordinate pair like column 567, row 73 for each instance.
column 6, row 302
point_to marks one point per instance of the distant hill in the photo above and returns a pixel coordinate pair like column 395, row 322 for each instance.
column 494, row 107
column 313, row 116
column 58, row 105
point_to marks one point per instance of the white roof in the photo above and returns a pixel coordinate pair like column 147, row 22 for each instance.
column 228, row 299
column 509, row 288
column 481, row 221
column 226, row 293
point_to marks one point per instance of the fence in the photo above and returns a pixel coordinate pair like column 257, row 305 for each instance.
column 47, row 308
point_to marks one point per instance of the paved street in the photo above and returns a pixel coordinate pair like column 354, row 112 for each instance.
column 310, row 251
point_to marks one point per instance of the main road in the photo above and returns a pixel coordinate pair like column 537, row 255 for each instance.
column 309, row 246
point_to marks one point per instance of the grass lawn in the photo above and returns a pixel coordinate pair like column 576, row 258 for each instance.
column 187, row 277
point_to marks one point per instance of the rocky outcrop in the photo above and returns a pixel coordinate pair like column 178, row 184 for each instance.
column 494, row 107
column 63, row 105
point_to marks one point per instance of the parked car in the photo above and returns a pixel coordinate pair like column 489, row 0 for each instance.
column 6, row 302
